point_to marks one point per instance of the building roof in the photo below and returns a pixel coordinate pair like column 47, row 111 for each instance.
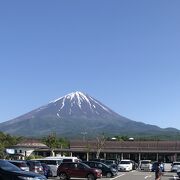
column 128, row 146
column 31, row 143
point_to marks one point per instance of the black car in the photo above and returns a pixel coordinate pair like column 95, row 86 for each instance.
column 111, row 163
column 107, row 171
column 9, row 171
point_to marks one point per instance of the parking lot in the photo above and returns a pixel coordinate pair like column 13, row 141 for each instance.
column 136, row 175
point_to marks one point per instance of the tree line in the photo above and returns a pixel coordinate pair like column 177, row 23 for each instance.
column 53, row 141
column 6, row 141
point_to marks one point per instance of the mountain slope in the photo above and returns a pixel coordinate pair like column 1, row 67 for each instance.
column 73, row 114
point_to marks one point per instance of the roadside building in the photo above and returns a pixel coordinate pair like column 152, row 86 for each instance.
column 27, row 148
column 166, row 151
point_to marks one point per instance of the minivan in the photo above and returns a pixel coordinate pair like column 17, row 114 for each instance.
column 145, row 165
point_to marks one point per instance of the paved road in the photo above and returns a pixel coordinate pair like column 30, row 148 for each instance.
column 136, row 175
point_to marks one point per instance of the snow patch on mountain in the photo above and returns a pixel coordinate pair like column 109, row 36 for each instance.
column 79, row 103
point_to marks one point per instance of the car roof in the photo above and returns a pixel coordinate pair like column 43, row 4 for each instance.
column 176, row 162
column 95, row 162
column 18, row 161
column 70, row 162
column 32, row 161
column 145, row 160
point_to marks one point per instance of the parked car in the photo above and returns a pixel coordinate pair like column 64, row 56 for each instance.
column 145, row 165
column 99, row 160
column 9, row 171
column 35, row 166
column 54, row 161
column 47, row 170
column 21, row 164
column 178, row 172
column 107, row 171
column 175, row 166
column 67, row 170
column 111, row 163
column 126, row 165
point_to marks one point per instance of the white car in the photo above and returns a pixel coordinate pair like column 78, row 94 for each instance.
column 125, row 165
column 178, row 172
column 175, row 166
column 145, row 165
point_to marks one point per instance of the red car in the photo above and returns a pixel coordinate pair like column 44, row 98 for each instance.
column 77, row 170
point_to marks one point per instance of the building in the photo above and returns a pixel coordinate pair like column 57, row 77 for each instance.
column 166, row 151
column 27, row 148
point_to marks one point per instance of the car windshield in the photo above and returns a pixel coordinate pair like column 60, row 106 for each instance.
column 105, row 165
column 19, row 163
column 23, row 164
column 109, row 162
column 176, row 164
column 35, row 163
column 125, row 162
column 85, row 165
column 5, row 165
column 145, row 162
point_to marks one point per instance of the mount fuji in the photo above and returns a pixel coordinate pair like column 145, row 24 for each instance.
column 73, row 115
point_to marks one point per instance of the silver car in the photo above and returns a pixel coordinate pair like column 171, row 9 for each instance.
column 175, row 166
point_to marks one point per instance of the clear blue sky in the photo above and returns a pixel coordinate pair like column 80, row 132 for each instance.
column 125, row 53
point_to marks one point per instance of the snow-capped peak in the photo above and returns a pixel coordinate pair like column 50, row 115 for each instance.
column 70, row 96
column 77, row 103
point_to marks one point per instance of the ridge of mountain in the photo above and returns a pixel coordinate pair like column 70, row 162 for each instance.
column 73, row 114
